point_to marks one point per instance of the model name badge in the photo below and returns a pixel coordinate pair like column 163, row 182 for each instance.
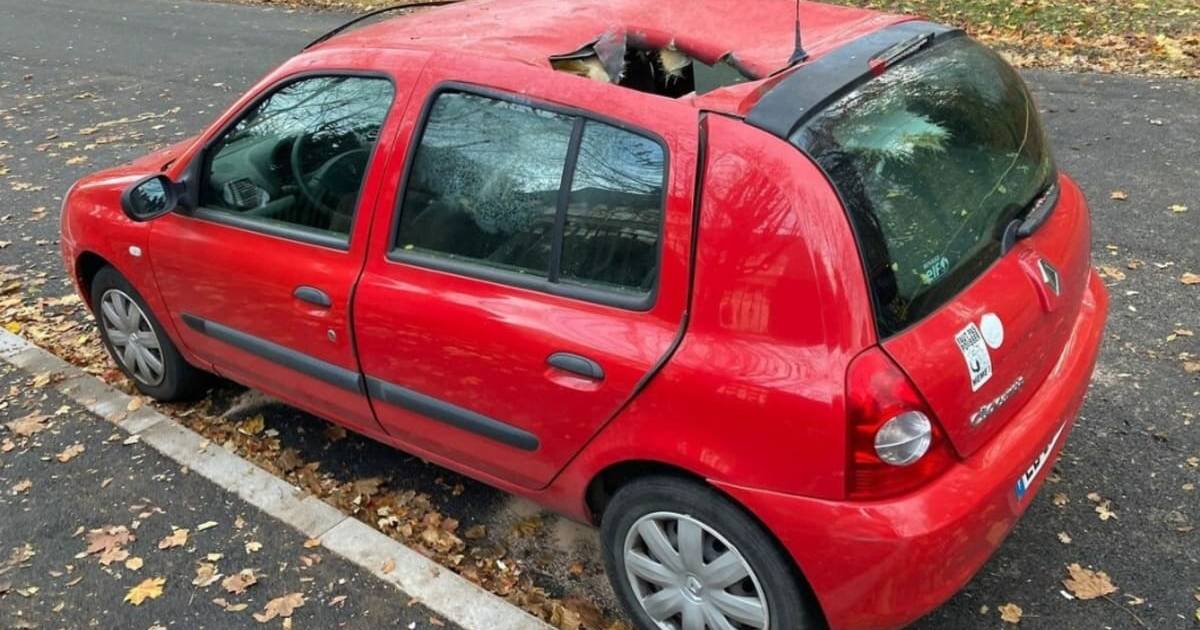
column 987, row 410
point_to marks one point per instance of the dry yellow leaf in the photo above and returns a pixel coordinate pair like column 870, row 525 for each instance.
column 133, row 564
column 206, row 574
column 69, row 453
column 1119, row 195
column 252, row 426
column 389, row 565
column 22, row 486
column 148, row 589
column 1088, row 584
column 1010, row 613
column 29, row 425
column 240, row 581
column 177, row 538
column 280, row 607
column 1190, row 278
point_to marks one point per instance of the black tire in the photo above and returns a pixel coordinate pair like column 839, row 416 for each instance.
column 789, row 602
column 180, row 380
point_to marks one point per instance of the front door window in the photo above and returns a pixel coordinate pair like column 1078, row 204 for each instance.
column 296, row 160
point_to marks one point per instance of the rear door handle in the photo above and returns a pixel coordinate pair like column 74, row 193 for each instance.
column 576, row 364
column 313, row 296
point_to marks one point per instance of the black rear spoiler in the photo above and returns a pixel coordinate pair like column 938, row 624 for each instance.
column 811, row 87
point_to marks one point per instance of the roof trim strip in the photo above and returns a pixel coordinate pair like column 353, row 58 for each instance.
column 811, row 87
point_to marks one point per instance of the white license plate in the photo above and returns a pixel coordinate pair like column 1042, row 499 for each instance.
column 1031, row 473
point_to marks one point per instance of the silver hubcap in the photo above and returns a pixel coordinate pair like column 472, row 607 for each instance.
column 686, row 576
column 135, row 344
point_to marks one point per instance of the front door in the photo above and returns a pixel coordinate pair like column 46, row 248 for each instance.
column 535, row 270
column 260, row 276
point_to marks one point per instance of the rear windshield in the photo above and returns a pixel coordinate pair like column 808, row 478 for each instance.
column 933, row 159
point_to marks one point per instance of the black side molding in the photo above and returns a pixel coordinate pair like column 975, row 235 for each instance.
column 452, row 415
column 811, row 87
column 298, row 361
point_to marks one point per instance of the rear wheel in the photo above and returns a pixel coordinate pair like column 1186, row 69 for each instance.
column 681, row 556
column 135, row 340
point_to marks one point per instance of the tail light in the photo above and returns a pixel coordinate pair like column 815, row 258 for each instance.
column 896, row 444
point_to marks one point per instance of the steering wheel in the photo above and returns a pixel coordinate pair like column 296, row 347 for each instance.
column 340, row 174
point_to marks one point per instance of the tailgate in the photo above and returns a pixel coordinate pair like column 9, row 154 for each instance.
column 980, row 357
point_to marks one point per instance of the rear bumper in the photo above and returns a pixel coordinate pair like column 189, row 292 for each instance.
column 884, row 564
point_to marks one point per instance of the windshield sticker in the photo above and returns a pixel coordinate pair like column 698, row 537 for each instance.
column 992, row 329
column 934, row 268
column 975, row 353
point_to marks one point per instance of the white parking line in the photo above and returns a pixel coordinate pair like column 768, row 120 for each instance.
column 437, row 588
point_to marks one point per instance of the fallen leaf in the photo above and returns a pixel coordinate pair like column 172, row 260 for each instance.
column 280, row 607
column 252, row 426
column 1190, row 278
column 1179, row 208
column 206, row 525
column 253, row 546
column 69, row 453
column 135, row 403
column 1060, row 499
column 1010, row 613
column 149, row 589
column 177, row 538
column 108, row 538
column 1105, row 511
column 206, row 575
column 1119, row 195
column 337, row 601
column 311, row 543
column 133, row 564
column 389, row 565
column 29, row 425
column 22, row 486
column 1064, row 538
column 109, row 556
column 1108, row 271
column 1088, row 584
column 239, row 582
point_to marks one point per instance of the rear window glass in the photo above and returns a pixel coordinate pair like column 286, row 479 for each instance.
column 933, row 159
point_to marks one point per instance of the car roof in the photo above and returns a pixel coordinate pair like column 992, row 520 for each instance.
column 758, row 34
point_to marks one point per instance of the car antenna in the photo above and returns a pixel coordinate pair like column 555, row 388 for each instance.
column 367, row 16
column 799, row 54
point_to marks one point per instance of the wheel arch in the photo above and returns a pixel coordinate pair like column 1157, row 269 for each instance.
column 605, row 484
column 87, row 265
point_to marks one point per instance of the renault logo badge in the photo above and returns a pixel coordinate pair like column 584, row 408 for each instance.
column 1049, row 275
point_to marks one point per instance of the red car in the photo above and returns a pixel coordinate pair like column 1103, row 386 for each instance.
column 799, row 318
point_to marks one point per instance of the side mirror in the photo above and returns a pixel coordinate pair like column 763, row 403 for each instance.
column 150, row 198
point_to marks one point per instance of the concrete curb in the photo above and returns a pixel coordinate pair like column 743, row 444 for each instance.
column 437, row 588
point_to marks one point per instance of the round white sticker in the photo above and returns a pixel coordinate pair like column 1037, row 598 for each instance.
column 992, row 329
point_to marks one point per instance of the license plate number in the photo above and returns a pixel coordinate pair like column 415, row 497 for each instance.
column 1039, row 462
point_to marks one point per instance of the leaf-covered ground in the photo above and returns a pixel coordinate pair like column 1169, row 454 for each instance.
column 1153, row 37
column 1148, row 37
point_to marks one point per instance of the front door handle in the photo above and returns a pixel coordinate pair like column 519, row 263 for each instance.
column 576, row 364
column 313, row 296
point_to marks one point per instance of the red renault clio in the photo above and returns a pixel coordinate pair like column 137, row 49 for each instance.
column 799, row 321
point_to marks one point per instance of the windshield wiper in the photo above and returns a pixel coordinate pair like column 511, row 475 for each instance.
column 1038, row 211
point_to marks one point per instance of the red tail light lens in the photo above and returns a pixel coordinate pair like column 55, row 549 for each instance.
column 896, row 444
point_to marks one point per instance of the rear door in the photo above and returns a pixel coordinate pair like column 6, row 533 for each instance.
column 977, row 253
column 534, row 270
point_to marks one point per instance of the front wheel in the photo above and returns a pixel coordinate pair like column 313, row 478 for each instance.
column 681, row 556
column 136, row 341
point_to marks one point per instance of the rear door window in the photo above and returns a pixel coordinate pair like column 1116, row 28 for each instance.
column 547, row 199
column 933, row 160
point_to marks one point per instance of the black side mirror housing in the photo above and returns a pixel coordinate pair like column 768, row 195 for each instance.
column 151, row 197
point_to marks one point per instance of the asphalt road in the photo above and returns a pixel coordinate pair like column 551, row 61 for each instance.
column 66, row 67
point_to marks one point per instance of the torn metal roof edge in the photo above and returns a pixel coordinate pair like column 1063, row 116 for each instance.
column 756, row 38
